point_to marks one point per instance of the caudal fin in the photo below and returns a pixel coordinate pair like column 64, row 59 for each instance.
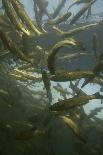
column 98, row 96
column 49, row 95
column 88, row 80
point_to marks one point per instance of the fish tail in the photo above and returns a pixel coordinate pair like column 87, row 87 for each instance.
column 49, row 95
column 82, row 139
column 79, row 92
column 89, row 80
column 98, row 96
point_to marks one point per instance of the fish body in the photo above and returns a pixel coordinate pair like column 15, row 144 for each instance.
column 71, row 124
column 95, row 111
column 97, row 73
column 14, row 18
column 88, row 13
column 27, row 135
column 4, row 22
column 51, row 57
column 72, row 56
column 58, row 9
column 47, row 84
column 76, row 89
column 3, row 92
column 23, row 74
column 24, row 16
column 3, row 54
column 12, row 47
column 70, row 76
column 75, row 31
column 60, row 19
column 38, row 18
column 95, row 45
column 101, row 56
column 83, row 1
column 42, row 6
column 98, row 68
column 98, row 81
column 60, row 89
column 78, row 30
column 81, row 12
column 67, row 104
column 77, row 2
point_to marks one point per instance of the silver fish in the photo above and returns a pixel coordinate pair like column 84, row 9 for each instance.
column 59, row 20
column 73, row 102
column 81, row 12
column 72, row 56
column 95, row 46
column 47, row 84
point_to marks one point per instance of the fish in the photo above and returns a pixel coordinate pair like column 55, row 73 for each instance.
column 98, row 68
column 74, row 2
column 25, row 67
column 95, row 46
column 65, row 105
column 71, row 76
column 3, row 54
column 24, row 124
column 47, row 84
column 73, row 126
column 38, row 19
column 24, row 16
column 81, row 12
column 98, row 81
column 83, row 1
column 97, row 73
column 72, row 56
column 57, row 29
column 29, row 134
column 42, row 7
column 4, row 22
column 14, row 18
column 94, row 112
column 78, row 2
column 12, row 47
column 88, row 13
column 62, row 91
column 1, row 7
column 54, row 51
column 23, row 74
column 74, row 31
column 77, row 30
column 76, row 89
column 100, row 56
column 101, row 89
column 87, row 80
column 59, row 20
column 58, row 9
column 3, row 92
